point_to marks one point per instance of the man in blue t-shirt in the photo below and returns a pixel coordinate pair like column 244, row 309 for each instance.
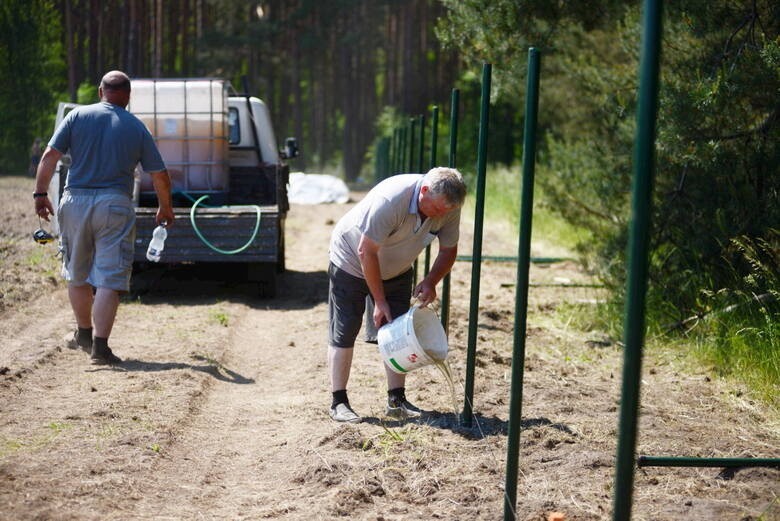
column 96, row 214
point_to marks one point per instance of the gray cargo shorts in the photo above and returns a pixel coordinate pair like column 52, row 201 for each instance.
column 97, row 234
column 349, row 298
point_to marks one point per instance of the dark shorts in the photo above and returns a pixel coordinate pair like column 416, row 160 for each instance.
column 347, row 299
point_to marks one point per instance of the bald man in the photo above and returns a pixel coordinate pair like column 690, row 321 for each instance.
column 96, row 214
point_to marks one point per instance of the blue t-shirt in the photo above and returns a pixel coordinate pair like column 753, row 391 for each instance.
column 106, row 143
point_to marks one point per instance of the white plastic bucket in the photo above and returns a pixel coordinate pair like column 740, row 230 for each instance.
column 412, row 340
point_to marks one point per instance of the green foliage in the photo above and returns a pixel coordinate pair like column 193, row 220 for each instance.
column 741, row 333
column 30, row 72
column 716, row 199
column 87, row 93
column 717, row 131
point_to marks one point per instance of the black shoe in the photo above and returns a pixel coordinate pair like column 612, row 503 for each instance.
column 75, row 341
column 104, row 356
column 402, row 409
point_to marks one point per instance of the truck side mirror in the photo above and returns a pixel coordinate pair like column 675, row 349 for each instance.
column 290, row 149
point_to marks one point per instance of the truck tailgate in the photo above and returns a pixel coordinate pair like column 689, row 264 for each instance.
column 226, row 228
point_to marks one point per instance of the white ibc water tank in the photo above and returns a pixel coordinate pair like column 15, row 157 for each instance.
column 189, row 122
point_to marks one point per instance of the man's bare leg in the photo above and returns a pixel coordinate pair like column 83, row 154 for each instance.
column 104, row 311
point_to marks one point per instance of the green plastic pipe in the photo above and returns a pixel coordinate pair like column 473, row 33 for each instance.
column 445, row 288
column 641, row 196
column 664, row 461
column 476, row 266
column 521, row 294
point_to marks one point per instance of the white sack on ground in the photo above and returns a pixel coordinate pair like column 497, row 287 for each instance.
column 316, row 189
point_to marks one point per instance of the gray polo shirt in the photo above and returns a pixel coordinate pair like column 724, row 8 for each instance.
column 388, row 215
column 105, row 142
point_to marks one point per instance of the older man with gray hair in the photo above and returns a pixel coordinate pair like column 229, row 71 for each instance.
column 372, row 250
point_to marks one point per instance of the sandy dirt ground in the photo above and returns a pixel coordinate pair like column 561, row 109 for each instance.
column 220, row 408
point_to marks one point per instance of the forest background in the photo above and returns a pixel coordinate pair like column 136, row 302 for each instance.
column 341, row 74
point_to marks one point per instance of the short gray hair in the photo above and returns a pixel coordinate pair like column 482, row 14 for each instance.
column 447, row 182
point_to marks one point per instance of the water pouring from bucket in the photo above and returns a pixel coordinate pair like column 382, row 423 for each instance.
column 413, row 340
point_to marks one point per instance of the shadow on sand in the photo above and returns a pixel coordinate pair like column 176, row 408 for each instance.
column 204, row 284
column 481, row 426
column 210, row 367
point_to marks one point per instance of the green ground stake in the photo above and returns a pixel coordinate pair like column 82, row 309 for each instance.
column 410, row 168
column 434, row 135
column 477, row 248
column 641, row 192
column 382, row 159
column 421, row 144
column 402, row 160
column 445, row 289
column 521, row 293
column 394, row 153
column 420, row 154
column 412, row 141
column 432, row 164
column 662, row 461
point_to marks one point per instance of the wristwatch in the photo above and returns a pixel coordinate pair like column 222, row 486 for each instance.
column 40, row 194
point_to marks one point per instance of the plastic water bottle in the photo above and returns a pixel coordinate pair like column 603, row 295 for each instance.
column 157, row 244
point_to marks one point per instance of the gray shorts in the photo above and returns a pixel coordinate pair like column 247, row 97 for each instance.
column 349, row 298
column 97, row 234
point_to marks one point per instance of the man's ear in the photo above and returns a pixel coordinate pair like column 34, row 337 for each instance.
column 424, row 189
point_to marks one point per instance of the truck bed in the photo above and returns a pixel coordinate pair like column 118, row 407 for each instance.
column 226, row 228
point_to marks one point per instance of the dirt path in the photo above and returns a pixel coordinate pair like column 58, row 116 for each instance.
column 220, row 409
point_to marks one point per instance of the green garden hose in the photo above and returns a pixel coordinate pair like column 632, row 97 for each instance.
column 207, row 243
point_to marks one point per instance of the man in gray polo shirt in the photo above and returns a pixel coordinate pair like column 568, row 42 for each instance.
column 96, row 215
column 372, row 250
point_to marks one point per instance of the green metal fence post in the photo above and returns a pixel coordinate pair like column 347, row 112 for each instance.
column 641, row 197
column 431, row 164
column 394, row 153
column 521, row 291
column 445, row 289
column 476, row 265
column 404, row 145
column 381, row 159
column 410, row 168
column 412, row 140
column 421, row 144
column 434, row 135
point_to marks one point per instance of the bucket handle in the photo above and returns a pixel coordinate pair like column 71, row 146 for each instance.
column 410, row 322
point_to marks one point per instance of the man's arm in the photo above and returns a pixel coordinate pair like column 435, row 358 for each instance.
column 43, row 206
column 162, row 187
column 426, row 290
column 368, row 252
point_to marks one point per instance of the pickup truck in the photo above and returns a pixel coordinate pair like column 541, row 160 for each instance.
column 229, row 178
